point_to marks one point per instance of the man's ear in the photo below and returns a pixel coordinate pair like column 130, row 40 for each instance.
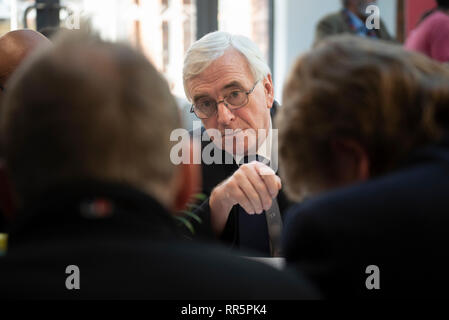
column 269, row 90
column 352, row 163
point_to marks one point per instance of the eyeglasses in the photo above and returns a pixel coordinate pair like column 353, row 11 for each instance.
column 206, row 108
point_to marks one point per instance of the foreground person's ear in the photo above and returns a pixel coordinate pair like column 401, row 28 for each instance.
column 352, row 163
column 188, row 182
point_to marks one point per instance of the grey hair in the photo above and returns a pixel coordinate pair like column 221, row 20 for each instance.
column 212, row 46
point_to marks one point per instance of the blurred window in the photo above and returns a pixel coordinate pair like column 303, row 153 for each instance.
column 162, row 29
column 250, row 18
column 5, row 16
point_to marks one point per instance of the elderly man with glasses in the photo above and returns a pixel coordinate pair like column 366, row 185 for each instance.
column 231, row 90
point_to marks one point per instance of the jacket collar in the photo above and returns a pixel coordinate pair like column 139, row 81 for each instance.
column 86, row 204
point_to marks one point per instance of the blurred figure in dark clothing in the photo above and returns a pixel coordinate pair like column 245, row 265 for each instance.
column 364, row 140
column 86, row 128
column 350, row 20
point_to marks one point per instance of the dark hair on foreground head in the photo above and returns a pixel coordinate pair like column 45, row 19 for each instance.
column 444, row 4
column 87, row 109
column 388, row 100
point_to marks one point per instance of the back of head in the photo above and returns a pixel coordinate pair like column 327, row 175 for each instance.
column 213, row 45
column 88, row 110
column 386, row 99
column 14, row 47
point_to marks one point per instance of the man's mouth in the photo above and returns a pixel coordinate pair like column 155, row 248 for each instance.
column 232, row 133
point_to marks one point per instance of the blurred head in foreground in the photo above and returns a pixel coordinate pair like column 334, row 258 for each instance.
column 354, row 109
column 15, row 46
column 89, row 110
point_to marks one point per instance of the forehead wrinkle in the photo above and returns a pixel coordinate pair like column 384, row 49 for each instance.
column 220, row 81
column 231, row 67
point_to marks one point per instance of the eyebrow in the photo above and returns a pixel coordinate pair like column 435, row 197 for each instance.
column 232, row 85
column 198, row 97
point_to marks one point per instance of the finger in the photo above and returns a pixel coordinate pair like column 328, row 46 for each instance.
column 272, row 181
column 259, row 185
column 247, row 187
column 265, row 170
column 241, row 198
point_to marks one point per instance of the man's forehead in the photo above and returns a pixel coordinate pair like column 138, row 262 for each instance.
column 233, row 56
column 232, row 61
column 231, row 69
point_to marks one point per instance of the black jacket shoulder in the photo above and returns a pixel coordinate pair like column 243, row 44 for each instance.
column 397, row 222
column 126, row 246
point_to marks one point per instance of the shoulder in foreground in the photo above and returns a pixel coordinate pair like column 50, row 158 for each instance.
column 406, row 188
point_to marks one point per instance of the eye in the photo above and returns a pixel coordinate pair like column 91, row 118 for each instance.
column 235, row 94
column 205, row 103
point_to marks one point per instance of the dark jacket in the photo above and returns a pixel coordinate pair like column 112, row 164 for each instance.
column 398, row 222
column 337, row 23
column 6, row 202
column 2, row 223
column 126, row 247
column 214, row 174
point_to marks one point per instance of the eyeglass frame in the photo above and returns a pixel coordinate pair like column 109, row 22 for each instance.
column 192, row 109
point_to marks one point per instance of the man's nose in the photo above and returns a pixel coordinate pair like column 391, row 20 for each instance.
column 224, row 115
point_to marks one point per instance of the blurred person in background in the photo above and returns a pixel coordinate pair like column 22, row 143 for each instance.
column 364, row 146
column 86, row 131
column 352, row 20
column 431, row 36
column 15, row 46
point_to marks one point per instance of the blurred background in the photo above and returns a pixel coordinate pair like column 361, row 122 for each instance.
column 164, row 29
